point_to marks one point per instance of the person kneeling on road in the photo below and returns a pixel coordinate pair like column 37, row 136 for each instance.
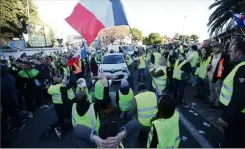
column 145, row 105
column 62, row 97
column 102, row 98
column 124, row 97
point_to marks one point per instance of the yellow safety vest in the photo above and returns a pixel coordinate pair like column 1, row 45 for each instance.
column 177, row 69
column 31, row 73
column 160, row 81
column 66, row 71
column 88, row 119
column 129, row 60
column 202, row 70
column 9, row 63
column 195, row 60
column 99, row 90
column 167, row 132
column 54, row 91
column 87, row 93
column 146, row 107
column 157, row 57
column 227, row 87
column 142, row 64
column 125, row 101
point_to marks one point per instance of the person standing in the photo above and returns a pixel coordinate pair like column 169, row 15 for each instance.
column 141, row 68
column 201, row 72
column 218, row 69
column 30, row 85
column 155, row 57
column 232, row 96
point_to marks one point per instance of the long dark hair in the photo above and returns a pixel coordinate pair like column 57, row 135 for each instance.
column 208, row 51
column 166, row 108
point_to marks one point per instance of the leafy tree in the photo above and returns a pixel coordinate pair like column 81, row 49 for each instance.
column 137, row 34
column 222, row 14
column 194, row 37
column 154, row 38
column 109, row 35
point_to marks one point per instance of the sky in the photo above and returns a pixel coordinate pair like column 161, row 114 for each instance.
column 166, row 17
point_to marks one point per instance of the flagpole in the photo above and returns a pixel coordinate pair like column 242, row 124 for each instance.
column 242, row 32
column 143, row 57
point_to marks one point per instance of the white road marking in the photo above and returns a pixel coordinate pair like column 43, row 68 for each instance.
column 204, row 143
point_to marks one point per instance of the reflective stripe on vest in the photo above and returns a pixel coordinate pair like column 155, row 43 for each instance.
column 77, row 69
column 227, row 87
column 160, row 81
column 177, row 70
column 125, row 101
column 142, row 64
column 88, row 119
column 167, row 132
column 99, row 90
column 146, row 107
column 220, row 68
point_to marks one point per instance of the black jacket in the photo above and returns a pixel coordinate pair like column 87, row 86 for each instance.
column 44, row 72
column 227, row 67
column 232, row 113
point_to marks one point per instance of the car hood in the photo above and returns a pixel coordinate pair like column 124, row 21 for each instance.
column 112, row 66
column 130, row 52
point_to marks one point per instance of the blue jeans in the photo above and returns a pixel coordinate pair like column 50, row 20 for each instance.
column 178, row 88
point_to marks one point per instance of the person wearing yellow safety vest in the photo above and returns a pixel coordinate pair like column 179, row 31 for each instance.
column 141, row 68
column 101, row 94
column 144, row 107
column 124, row 97
column 62, row 97
column 82, row 86
column 129, row 62
column 194, row 59
column 63, row 69
column 164, row 131
column 233, row 98
column 159, row 75
column 201, row 72
column 155, row 57
column 180, row 75
column 171, row 58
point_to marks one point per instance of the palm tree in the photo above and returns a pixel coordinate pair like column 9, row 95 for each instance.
column 222, row 14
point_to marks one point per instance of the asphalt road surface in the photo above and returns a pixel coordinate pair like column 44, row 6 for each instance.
column 193, row 132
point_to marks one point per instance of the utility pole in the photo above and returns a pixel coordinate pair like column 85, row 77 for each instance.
column 183, row 38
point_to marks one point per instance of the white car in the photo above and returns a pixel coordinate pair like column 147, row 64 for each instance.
column 128, row 49
column 114, row 64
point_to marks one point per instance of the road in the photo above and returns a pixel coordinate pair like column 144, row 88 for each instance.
column 192, row 131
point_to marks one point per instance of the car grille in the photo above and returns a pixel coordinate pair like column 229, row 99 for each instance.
column 112, row 71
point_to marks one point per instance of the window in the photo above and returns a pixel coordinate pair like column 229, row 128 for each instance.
column 112, row 59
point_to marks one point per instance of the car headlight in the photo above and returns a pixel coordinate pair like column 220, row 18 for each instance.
column 101, row 70
column 124, row 69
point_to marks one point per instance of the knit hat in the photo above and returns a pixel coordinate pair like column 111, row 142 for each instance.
column 124, row 83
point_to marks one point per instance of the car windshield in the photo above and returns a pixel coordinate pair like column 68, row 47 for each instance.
column 112, row 59
column 128, row 48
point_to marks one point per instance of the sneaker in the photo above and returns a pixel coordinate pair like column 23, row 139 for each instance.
column 58, row 132
column 18, row 129
column 213, row 107
column 30, row 115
